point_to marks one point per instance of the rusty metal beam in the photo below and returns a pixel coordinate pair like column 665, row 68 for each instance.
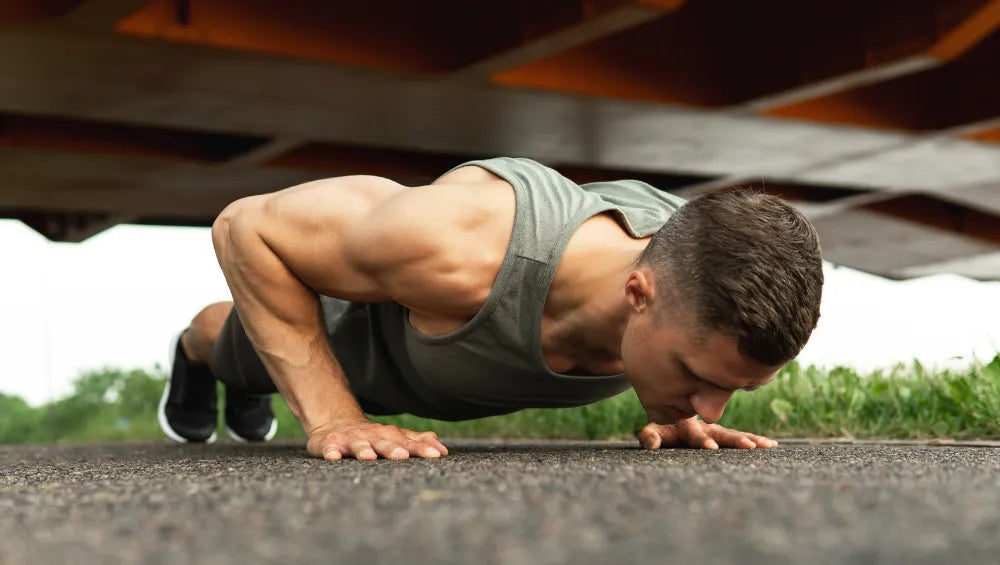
column 922, row 102
column 788, row 190
column 430, row 36
column 988, row 132
column 91, row 136
column 989, row 136
column 92, row 198
column 938, row 213
column 920, row 95
column 266, row 151
column 31, row 11
column 970, row 32
column 757, row 54
column 411, row 167
column 68, row 227
column 668, row 181
column 101, row 14
column 596, row 19
column 951, row 45
column 842, row 83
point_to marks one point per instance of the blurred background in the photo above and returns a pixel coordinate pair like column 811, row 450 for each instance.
column 127, row 125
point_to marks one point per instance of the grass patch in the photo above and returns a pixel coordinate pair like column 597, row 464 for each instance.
column 904, row 402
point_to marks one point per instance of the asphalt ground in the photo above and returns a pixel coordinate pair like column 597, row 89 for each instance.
column 599, row 503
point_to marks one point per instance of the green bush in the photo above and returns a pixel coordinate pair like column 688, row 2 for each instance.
column 905, row 402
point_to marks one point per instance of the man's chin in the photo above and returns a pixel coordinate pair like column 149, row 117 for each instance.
column 675, row 416
column 664, row 420
column 668, row 415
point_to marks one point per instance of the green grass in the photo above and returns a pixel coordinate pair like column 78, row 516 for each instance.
column 905, row 402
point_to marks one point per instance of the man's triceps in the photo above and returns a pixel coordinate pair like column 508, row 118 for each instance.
column 282, row 319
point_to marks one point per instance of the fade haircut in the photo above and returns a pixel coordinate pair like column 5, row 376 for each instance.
column 742, row 263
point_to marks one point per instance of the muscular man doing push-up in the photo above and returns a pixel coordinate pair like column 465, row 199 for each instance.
column 501, row 286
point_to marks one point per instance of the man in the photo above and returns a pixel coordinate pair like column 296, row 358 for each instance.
column 500, row 286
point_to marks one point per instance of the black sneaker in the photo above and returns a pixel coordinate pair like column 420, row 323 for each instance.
column 249, row 416
column 188, row 410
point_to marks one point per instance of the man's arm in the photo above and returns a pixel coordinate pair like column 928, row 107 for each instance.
column 278, row 251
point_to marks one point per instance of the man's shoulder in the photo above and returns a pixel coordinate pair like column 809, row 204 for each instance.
column 642, row 207
column 467, row 174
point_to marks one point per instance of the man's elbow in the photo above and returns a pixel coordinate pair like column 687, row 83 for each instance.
column 232, row 224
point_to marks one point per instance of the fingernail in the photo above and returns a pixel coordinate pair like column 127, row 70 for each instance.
column 431, row 452
column 711, row 444
column 399, row 452
column 368, row 453
column 331, row 454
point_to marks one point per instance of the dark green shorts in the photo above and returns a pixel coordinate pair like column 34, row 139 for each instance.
column 235, row 362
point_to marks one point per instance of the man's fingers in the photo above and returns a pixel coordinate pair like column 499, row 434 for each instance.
column 761, row 441
column 733, row 438
column 362, row 449
column 730, row 438
column 430, row 438
column 330, row 450
column 698, row 437
column 649, row 437
column 655, row 436
column 423, row 449
column 367, row 441
column 670, row 434
column 390, row 449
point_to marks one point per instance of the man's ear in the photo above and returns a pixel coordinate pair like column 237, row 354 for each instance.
column 640, row 288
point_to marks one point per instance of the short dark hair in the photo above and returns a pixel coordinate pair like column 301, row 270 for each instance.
column 742, row 263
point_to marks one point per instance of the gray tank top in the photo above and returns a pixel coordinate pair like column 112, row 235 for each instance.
column 494, row 363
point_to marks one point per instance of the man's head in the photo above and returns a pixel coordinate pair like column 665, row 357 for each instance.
column 725, row 293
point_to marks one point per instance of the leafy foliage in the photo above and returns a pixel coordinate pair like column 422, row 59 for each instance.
column 905, row 402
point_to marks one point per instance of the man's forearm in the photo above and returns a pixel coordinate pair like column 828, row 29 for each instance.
column 283, row 321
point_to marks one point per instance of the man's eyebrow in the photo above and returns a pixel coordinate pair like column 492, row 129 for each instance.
column 687, row 370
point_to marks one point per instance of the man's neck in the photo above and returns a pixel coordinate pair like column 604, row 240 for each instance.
column 587, row 307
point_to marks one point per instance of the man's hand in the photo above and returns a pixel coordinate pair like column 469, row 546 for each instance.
column 695, row 433
column 365, row 439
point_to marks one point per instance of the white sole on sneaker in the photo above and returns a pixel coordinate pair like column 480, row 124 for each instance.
column 161, row 412
column 267, row 437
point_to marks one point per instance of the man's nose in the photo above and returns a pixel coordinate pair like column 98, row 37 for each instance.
column 710, row 404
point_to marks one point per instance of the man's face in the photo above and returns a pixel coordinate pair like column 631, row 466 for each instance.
column 677, row 376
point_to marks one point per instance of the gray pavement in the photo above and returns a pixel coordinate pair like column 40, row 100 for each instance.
column 597, row 503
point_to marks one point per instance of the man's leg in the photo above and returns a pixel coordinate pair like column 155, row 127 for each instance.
column 220, row 340
column 188, row 410
column 200, row 337
column 214, row 347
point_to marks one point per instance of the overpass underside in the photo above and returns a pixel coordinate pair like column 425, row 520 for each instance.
column 880, row 119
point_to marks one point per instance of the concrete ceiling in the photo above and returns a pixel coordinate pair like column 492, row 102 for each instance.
column 880, row 120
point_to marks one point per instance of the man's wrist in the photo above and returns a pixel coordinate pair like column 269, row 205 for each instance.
column 331, row 423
